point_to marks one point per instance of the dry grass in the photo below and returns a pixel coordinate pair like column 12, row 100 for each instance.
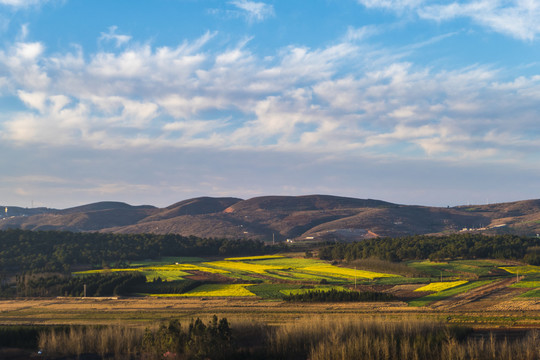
column 316, row 338
column 380, row 338
column 120, row 341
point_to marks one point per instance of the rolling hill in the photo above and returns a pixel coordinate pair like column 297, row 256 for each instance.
column 312, row 217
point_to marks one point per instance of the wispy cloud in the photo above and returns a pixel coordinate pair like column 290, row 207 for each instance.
column 111, row 35
column 254, row 11
column 397, row 5
column 515, row 18
column 22, row 3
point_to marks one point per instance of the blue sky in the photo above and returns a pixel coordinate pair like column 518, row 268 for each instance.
column 151, row 102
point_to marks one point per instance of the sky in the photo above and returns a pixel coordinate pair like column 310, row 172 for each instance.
column 422, row 102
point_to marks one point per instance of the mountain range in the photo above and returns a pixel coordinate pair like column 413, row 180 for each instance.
column 312, row 217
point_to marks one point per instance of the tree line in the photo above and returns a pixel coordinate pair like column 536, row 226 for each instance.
column 58, row 251
column 32, row 285
column 420, row 247
column 335, row 295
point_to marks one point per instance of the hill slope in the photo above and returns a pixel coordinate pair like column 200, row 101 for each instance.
column 284, row 217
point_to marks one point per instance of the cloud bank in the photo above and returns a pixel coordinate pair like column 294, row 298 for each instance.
column 301, row 99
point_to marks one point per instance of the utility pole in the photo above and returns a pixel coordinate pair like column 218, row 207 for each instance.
column 273, row 239
column 84, row 290
column 441, row 275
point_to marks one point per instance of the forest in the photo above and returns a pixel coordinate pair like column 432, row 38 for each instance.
column 58, row 251
column 455, row 246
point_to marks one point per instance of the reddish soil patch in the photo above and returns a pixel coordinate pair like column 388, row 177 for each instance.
column 407, row 292
column 209, row 277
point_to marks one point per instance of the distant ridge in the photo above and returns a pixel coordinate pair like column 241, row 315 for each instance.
column 309, row 217
column 103, row 205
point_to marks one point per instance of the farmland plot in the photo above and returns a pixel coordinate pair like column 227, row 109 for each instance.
column 214, row 290
column 165, row 272
column 440, row 286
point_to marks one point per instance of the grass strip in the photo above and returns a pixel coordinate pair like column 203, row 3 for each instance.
column 534, row 293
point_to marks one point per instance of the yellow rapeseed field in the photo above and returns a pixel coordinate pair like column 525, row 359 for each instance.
column 345, row 272
column 241, row 266
column 527, row 269
column 179, row 267
column 440, row 286
column 215, row 290
column 165, row 272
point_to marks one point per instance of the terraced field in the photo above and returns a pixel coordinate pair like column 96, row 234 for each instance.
column 270, row 277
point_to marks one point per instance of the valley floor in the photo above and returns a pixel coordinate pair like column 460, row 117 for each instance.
column 140, row 311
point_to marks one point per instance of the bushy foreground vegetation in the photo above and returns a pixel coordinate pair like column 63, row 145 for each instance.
column 316, row 339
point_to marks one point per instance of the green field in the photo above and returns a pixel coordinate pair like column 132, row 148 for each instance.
column 318, row 288
column 270, row 277
column 534, row 293
column 456, row 268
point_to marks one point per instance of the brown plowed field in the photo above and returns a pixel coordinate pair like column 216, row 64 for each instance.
column 474, row 295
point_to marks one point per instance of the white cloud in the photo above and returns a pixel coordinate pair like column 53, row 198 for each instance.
column 254, row 11
column 22, row 3
column 302, row 99
column 515, row 18
column 397, row 5
column 113, row 36
column 362, row 33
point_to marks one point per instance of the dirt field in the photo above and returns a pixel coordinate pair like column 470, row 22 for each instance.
column 523, row 313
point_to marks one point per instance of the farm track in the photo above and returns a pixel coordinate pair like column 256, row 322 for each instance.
column 474, row 295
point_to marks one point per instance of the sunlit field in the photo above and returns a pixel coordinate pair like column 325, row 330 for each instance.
column 270, row 277
column 522, row 270
column 440, row 286
column 242, row 266
column 214, row 290
column 165, row 272
column 344, row 272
